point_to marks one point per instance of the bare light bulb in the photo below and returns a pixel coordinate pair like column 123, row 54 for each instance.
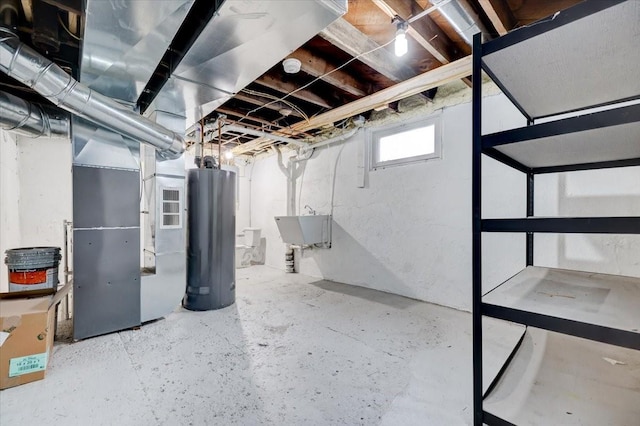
column 228, row 155
column 401, row 46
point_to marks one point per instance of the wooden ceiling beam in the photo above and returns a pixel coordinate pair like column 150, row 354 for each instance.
column 269, row 126
column 349, row 39
column 265, row 103
column 234, row 113
column 437, row 77
column 499, row 14
column 453, row 71
column 287, row 87
column 71, row 6
column 319, row 67
column 424, row 31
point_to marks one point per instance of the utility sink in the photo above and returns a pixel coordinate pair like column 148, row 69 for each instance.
column 305, row 230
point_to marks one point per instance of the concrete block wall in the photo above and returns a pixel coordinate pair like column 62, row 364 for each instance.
column 408, row 231
column 9, row 201
column 35, row 193
column 606, row 192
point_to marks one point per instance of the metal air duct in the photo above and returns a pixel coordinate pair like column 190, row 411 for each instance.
column 242, row 41
column 462, row 18
column 39, row 73
column 30, row 119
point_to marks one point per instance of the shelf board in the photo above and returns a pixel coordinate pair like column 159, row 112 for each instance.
column 559, row 379
column 565, row 225
column 596, row 138
column 566, row 62
column 599, row 307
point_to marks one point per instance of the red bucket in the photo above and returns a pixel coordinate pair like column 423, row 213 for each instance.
column 33, row 268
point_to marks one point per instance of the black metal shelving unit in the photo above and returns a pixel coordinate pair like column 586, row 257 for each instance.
column 577, row 72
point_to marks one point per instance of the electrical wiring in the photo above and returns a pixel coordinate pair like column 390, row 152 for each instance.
column 67, row 29
column 316, row 79
column 276, row 99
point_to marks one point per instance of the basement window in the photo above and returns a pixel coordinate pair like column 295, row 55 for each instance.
column 171, row 214
column 406, row 143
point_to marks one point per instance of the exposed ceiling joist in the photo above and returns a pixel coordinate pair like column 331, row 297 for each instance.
column 437, row 77
column 318, row 67
column 424, row 31
column 287, row 87
column 349, row 39
column 267, row 126
column 352, row 57
column 266, row 103
column 453, row 71
column 73, row 6
column 234, row 113
column 499, row 14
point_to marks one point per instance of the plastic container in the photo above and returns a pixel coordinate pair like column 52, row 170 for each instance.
column 33, row 268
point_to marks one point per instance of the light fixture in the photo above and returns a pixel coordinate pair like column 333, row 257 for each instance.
column 401, row 46
column 228, row 155
column 291, row 65
column 285, row 112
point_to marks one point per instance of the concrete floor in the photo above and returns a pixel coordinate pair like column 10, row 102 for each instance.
column 292, row 351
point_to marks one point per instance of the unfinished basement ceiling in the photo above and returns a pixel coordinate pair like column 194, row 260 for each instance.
column 348, row 68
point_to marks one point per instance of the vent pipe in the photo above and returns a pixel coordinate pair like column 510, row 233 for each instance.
column 37, row 72
column 30, row 119
column 462, row 17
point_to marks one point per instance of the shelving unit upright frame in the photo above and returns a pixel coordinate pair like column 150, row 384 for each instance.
column 616, row 121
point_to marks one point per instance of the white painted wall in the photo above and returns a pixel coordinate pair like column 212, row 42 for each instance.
column 606, row 192
column 243, row 219
column 36, row 193
column 409, row 230
column 268, row 199
column 45, row 190
column 9, row 201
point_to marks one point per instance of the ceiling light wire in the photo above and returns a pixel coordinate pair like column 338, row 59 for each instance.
column 276, row 99
column 317, row 78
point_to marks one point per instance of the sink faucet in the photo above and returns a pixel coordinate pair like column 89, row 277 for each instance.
column 311, row 211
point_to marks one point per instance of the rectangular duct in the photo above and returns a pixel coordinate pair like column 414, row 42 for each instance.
column 164, row 228
column 241, row 42
column 125, row 40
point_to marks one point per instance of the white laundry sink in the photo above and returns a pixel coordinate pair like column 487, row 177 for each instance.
column 305, row 230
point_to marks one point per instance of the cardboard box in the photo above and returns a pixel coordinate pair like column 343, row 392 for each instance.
column 27, row 329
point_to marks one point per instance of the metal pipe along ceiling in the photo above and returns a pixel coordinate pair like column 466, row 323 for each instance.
column 39, row 73
column 31, row 120
column 461, row 17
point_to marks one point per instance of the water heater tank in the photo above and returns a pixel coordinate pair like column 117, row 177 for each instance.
column 211, row 232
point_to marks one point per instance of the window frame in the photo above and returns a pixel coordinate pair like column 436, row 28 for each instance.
column 376, row 134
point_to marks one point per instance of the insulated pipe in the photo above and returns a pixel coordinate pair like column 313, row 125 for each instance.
column 31, row 120
column 39, row 73
column 333, row 140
